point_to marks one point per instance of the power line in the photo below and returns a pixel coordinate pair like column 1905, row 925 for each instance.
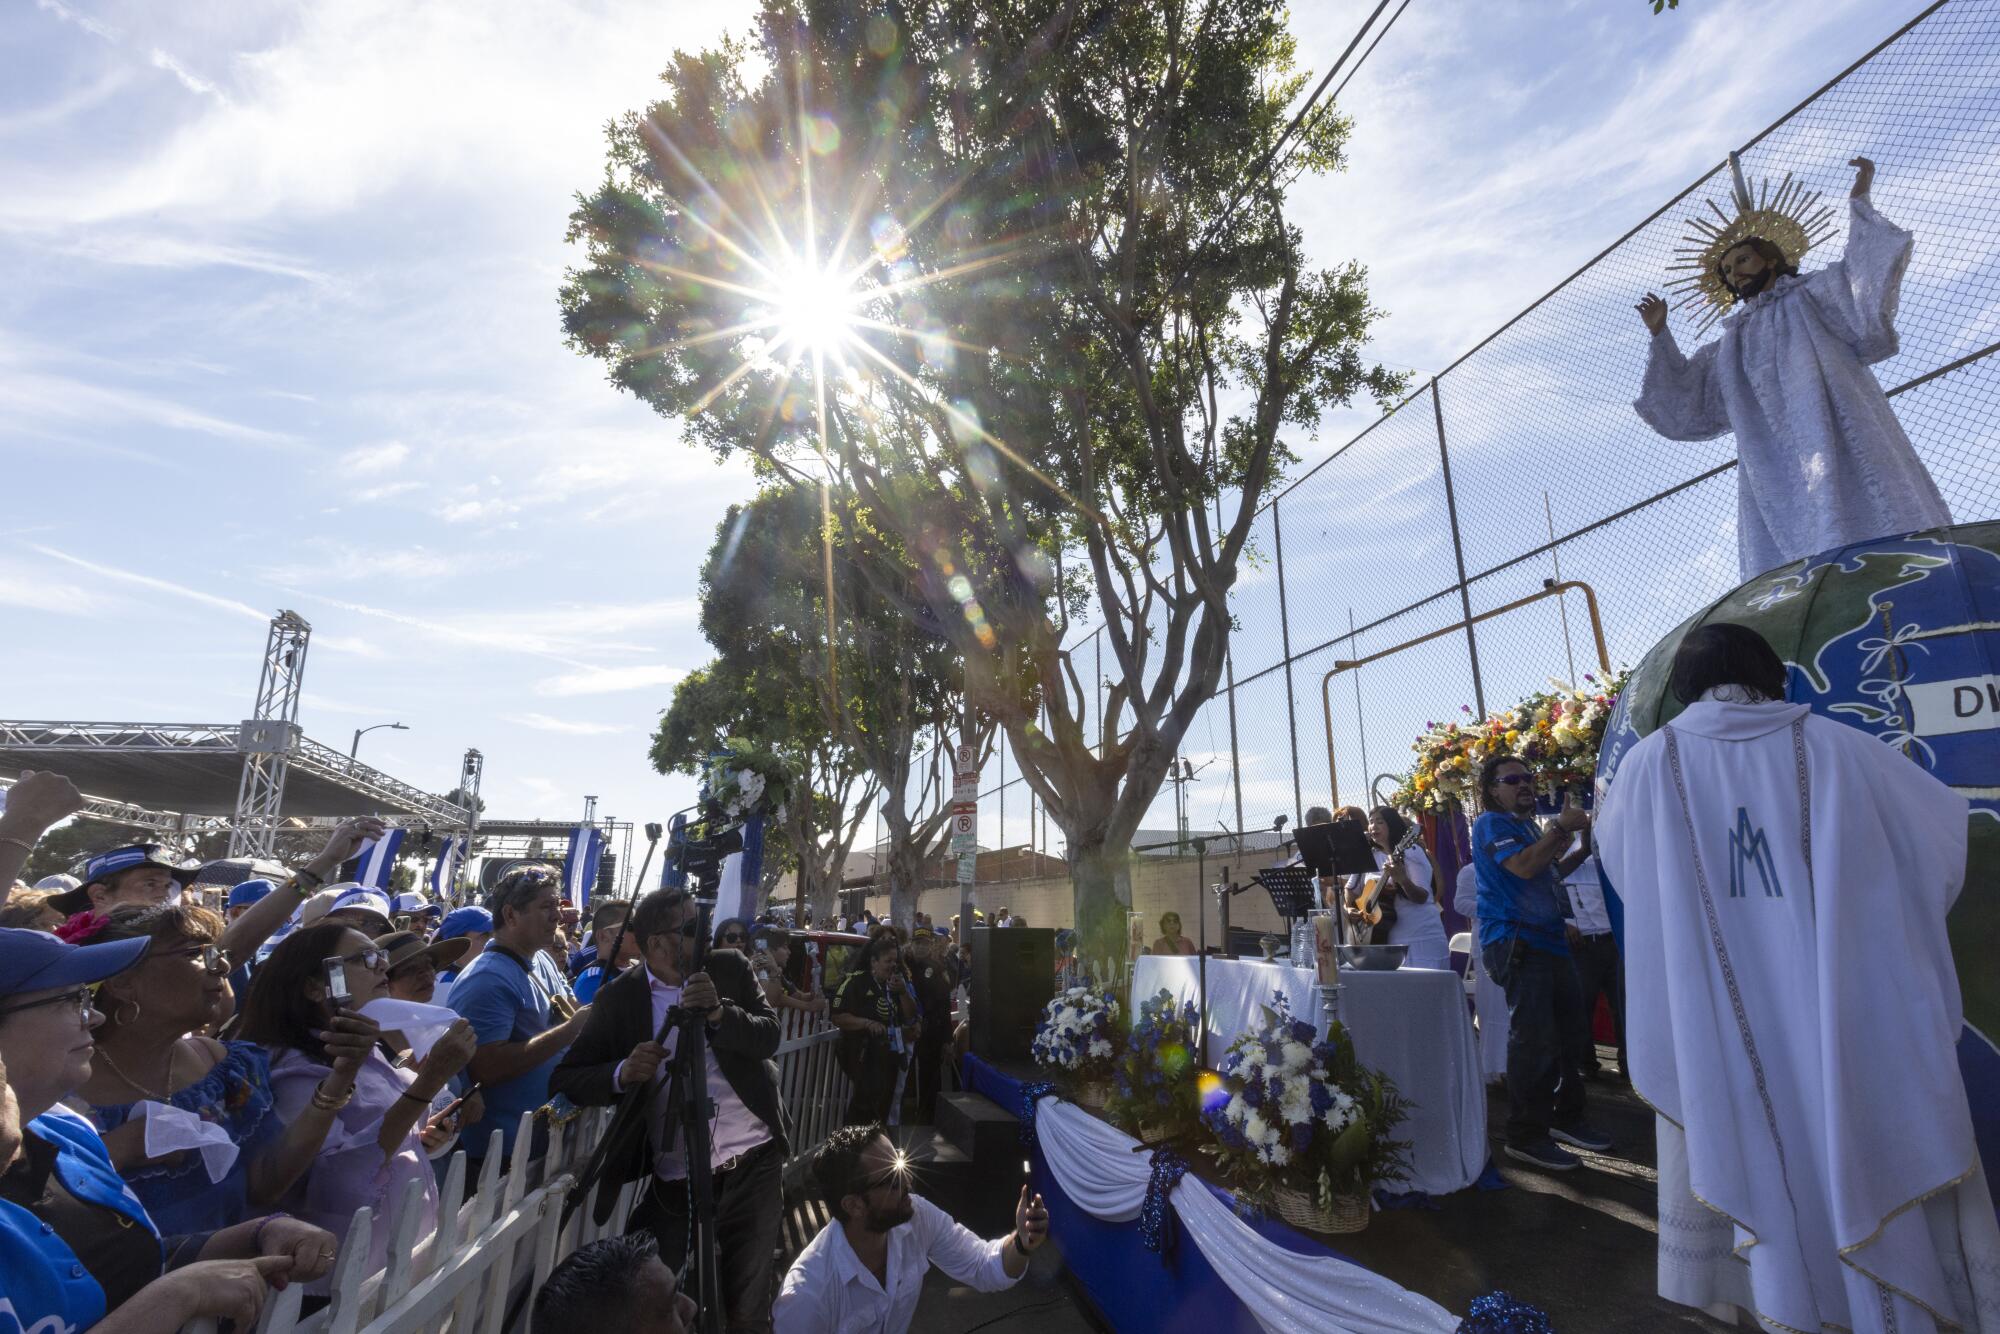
column 1269, row 157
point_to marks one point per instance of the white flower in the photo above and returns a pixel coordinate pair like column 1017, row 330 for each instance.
column 1297, row 1057
column 1100, row 1047
column 1254, row 1128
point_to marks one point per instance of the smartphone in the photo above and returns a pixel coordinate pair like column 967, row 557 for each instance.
column 336, row 984
column 461, row 1100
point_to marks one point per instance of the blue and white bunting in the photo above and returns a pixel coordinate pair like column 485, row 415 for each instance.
column 446, row 869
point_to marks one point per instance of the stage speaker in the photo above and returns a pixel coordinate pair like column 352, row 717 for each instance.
column 1013, row 977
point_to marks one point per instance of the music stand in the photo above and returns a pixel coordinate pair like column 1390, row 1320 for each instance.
column 1290, row 888
column 1338, row 849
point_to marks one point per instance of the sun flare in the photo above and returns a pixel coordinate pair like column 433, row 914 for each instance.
column 815, row 310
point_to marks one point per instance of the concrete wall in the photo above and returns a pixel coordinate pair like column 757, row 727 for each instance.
column 1158, row 884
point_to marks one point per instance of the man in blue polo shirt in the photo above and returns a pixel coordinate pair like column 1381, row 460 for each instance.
column 520, row 1035
column 1522, row 912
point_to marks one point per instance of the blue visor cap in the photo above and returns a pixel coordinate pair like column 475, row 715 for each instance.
column 107, row 864
column 372, row 900
column 249, row 892
column 37, row 961
column 465, row 922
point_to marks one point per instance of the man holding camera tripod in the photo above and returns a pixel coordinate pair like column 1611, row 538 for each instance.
column 619, row 1049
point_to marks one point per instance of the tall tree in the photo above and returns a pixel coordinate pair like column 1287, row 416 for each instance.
column 831, row 789
column 1021, row 276
column 783, row 588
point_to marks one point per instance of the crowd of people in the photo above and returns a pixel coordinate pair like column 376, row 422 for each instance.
column 205, row 1081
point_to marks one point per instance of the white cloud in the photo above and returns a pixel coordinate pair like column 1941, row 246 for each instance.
column 194, row 83
column 608, row 680
column 375, row 458
column 465, row 511
column 541, row 722
column 84, row 21
column 33, row 589
column 37, row 397
column 326, row 558
column 156, row 585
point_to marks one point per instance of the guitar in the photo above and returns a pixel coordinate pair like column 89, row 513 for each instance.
column 1373, row 913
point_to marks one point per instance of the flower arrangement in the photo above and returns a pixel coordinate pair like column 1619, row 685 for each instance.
column 1080, row 1034
column 1154, row 1080
column 1555, row 733
column 743, row 780
column 1291, row 1111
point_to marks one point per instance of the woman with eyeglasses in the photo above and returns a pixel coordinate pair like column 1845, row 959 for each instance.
column 151, row 1051
column 77, row 1249
column 326, row 1059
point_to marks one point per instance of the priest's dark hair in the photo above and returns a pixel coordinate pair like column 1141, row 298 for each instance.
column 1721, row 654
column 597, row 1287
column 649, row 918
column 1780, row 266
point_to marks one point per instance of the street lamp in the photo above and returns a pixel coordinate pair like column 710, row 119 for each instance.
column 359, row 732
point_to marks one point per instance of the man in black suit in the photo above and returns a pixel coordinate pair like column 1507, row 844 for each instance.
column 619, row 1049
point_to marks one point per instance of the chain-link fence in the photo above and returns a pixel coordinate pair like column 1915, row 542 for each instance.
column 1523, row 463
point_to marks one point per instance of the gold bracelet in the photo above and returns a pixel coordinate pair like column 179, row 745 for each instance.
column 327, row 1102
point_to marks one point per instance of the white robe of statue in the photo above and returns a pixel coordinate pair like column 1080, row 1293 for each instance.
column 1489, row 1001
column 1822, row 460
column 1792, row 1011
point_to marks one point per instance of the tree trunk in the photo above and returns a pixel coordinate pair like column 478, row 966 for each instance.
column 1101, row 878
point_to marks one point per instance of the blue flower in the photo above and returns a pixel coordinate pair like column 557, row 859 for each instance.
column 1302, row 1136
column 1322, row 1096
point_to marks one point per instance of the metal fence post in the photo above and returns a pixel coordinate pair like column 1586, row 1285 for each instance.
column 1285, row 638
column 1458, row 554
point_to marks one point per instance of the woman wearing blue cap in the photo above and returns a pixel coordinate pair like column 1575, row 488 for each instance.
column 77, row 1249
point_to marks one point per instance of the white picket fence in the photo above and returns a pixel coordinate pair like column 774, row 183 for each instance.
column 487, row 1251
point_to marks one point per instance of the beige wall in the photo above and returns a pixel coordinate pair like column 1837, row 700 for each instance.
column 1158, row 884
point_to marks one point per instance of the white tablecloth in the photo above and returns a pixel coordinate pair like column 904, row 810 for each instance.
column 1410, row 1024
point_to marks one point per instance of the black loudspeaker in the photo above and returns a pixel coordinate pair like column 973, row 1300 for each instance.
column 1013, row 977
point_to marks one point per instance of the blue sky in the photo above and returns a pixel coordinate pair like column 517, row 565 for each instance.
column 279, row 329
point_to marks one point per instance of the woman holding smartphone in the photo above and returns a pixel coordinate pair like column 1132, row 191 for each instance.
column 304, row 1008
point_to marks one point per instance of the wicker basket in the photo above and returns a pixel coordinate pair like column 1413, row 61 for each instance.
column 1301, row 1209
column 1092, row 1095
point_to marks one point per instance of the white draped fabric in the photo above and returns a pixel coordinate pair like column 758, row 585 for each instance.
column 1410, row 1024
column 1794, row 1011
column 1488, row 998
column 1287, row 1292
column 1822, row 460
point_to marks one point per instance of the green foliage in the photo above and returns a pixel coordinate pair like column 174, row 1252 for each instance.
column 1079, row 346
column 61, row 851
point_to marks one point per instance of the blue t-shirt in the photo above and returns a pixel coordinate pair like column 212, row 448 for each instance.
column 504, row 1003
column 1508, row 905
column 46, row 1287
column 236, row 1095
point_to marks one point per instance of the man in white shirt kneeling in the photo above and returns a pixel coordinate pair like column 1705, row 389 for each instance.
column 865, row 1270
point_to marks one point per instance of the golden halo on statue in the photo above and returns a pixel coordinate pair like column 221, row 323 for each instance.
column 1788, row 217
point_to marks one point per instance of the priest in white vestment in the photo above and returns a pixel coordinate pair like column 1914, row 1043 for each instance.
column 1821, row 458
column 1793, row 1009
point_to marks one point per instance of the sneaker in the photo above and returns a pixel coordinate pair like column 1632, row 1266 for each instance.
column 1545, row 1155
column 1580, row 1136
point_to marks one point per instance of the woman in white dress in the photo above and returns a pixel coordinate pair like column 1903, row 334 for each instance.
column 1419, row 923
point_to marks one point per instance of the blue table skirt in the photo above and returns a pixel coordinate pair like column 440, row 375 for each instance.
column 1135, row 1289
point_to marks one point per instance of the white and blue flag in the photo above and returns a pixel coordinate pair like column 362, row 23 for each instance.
column 446, row 869
column 586, row 848
column 376, row 861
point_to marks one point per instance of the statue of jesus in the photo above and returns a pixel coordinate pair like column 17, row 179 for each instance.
column 1821, row 459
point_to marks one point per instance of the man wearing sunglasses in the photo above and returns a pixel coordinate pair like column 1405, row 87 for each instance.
column 1522, row 919
column 619, row 1049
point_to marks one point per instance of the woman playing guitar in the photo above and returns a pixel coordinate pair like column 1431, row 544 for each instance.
column 1397, row 905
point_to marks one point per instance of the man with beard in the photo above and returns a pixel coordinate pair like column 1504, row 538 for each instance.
column 865, row 1270
column 1822, row 460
